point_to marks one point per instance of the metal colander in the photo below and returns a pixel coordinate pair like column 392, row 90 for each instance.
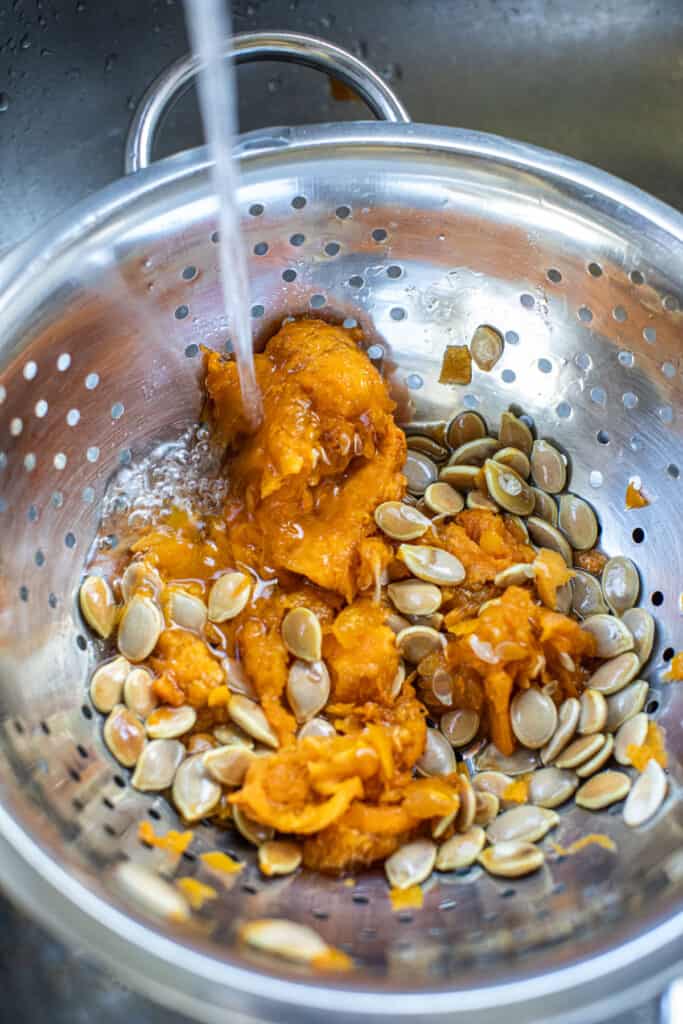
column 420, row 234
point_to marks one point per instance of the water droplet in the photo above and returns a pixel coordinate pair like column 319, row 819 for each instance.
column 4, row 102
column 25, row 42
column 109, row 61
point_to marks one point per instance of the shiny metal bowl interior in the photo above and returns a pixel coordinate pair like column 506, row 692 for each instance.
column 420, row 234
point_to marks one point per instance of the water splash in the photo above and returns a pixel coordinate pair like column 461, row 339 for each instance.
column 209, row 27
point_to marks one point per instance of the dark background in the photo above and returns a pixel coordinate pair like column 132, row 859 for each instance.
column 602, row 81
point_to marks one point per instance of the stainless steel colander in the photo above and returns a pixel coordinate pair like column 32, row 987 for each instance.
column 420, row 233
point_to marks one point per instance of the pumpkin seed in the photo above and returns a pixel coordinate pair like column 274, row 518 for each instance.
column 250, row 717
column 398, row 681
column 551, row 787
column 567, row 724
column 228, row 765
column 486, row 347
column 587, row 596
column 434, row 565
column 593, row 712
column 626, row 703
column 138, row 692
column 548, row 467
column 579, row 751
column 400, row 521
column 434, row 429
column 468, row 805
column 491, row 782
column 140, row 575
column 147, row 891
column 598, row 760
column 620, row 584
column 420, row 471
column 460, row 726
column 443, row 500
column 461, row 851
column 647, row 795
column 308, row 688
column 416, row 642
column 438, row 757
column 642, row 627
column 237, row 679
column 546, row 536
column 186, row 610
column 614, row 675
column 526, row 823
column 279, row 857
column 124, row 734
column 316, row 727
column 466, row 426
column 396, row 622
column 194, row 793
column 563, row 598
column 533, row 717
column 487, row 806
column 442, row 686
column 462, row 478
column 517, row 526
column 287, row 939
column 515, row 459
column 477, row 499
column 97, row 605
column 411, row 864
column 427, row 446
column 515, row 432
column 474, row 453
column 253, row 831
column 578, row 522
column 441, row 824
column 302, row 634
column 157, row 764
column 602, row 790
column 413, row 598
column 229, row 596
column 198, row 743
column 508, row 489
column 515, row 575
column 611, row 635
column 166, row 723
column 632, row 732
column 434, row 619
column 106, row 685
column 511, row 859
column 544, row 506
column 228, row 735
column 139, row 629
column 518, row 763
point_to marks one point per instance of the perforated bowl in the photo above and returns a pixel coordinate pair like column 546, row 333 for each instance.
column 420, row 234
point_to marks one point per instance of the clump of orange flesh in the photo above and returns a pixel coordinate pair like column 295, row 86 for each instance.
column 196, row 892
column 173, row 842
column 552, row 572
column 221, row 862
column 635, row 498
column 411, row 898
column 332, row 959
column 517, row 791
column 592, row 561
column 187, row 671
column 592, row 839
column 675, row 673
column 652, row 749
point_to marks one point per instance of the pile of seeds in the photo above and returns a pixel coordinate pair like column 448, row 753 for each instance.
column 563, row 752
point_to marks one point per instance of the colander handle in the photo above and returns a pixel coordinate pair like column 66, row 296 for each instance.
column 252, row 46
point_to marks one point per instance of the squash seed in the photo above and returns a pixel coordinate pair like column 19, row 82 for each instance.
column 400, row 521
column 526, row 823
column 410, row 864
column 642, row 627
column 544, row 506
column 138, row 692
column 518, row 763
column 462, row 478
column 515, row 575
column 279, row 857
column 587, row 596
column 593, row 712
column 415, row 598
column 468, row 805
column 533, row 717
column 578, row 522
column 626, row 703
column 228, row 596
column 433, row 565
column 228, row 765
column 147, row 891
column 138, row 576
column 601, row 790
column 229, row 734
column 615, row 674
column 486, row 347
column 427, row 446
column 461, row 851
column 474, row 453
column 460, row 726
column 316, row 727
column 250, row 717
column 551, row 787
column 237, row 679
column 286, row 939
column 420, row 471
column 308, row 688
column 515, row 459
column 106, row 685
column 199, row 742
column 416, row 642
column 620, row 584
column 579, row 751
column 157, row 765
column 546, row 536
column 518, row 527
column 124, row 735
column 97, row 605
column 632, row 732
column 433, row 429
column 511, row 859
column 567, row 724
column 563, row 598
column 477, row 499
column 611, row 635
column 302, row 634
column 487, row 806
column 398, row 681
column 396, row 622
column 514, row 432
column 438, row 757
column 167, row 723
column 491, row 782
column 443, row 500
column 194, row 793
column 647, row 795
column 466, row 426
column 598, row 760
column 186, row 610
column 434, row 619
column 508, row 489
column 548, row 467
column 139, row 629
column 253, row 831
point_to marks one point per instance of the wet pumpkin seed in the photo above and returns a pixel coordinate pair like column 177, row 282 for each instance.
column 229, row 596
column 427, row 446
column 398, row 681
column 615, row 674
column 468, row 805
column 414, row 598
column 98, row 605
column 461, row 851
column 462, row 478
column 518, row 763
column 620, row 584
column 107, row 684
column 229, row 734
column 411, row 864
column 140, row 576
column 124, row 735
column 612, row 637
column 533, row 717
column 253, row 831
column 546, row 536
column 460, row 726
column 608, row 787
column 139, row 629
column 486, row 347
column 400, row 521
column 433, row 565
column 593, row 712
column 642, row 627
column 466, row 426
column 550, row 787
column 548, row 467
column 587, row 596
column 646, row 796
column 438, row 757
column 478, row 499
column 598, row 760
column 508, row 488
column 167, row 723
column 186, row 610
column 515, row 459
column 316, row 727
column 515, row 575
column 420, row 471
column 147, row 891
column 157, row 765
column 194, row 793
column 578, row 522
column 302, row 634
column 563, row 598
column 138, row 692
column 308, row 688
column 279, row 857
column 237, row 679
column 416, row 642
column 487, row 806
column 567, row 724
column 526, row 823
column 228, row 765
column 443, row 500
column 632, row 732
column 286, row 939
column 545, row 507
column 511, row 859
column 626, row 703
column 474, row 453
column 491, row 782
column 250, row 717
column 579, row 751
